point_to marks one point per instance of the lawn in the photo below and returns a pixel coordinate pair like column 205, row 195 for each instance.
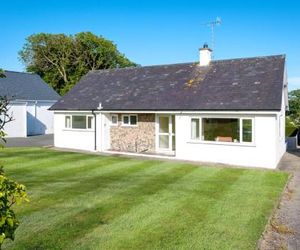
column 82, row 201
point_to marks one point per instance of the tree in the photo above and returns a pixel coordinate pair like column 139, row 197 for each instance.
column 11, row 192
column 294, row 106
column 61, row 60
column 1, row 73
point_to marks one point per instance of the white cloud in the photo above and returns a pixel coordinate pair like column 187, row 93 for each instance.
column 294, row 82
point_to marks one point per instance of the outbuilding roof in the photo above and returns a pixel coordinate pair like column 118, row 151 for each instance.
column 26, row 86
column 237, row 84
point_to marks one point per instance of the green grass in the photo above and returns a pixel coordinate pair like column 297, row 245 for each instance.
column 81, row 201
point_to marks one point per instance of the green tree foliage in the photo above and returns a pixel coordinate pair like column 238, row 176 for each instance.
column 294, row 105
column 61, row 60
column 11, row 192
column 2, row 73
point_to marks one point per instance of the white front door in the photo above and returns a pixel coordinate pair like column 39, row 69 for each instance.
column 166, row 133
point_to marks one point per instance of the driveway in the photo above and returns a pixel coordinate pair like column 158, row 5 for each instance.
column 31, row 141
column 284, row 229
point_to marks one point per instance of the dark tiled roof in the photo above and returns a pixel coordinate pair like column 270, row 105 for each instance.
column 237, row 84
column 26, row 86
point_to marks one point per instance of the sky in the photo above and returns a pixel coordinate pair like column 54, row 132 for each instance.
column 161, row 32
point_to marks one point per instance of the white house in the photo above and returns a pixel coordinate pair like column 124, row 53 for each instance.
column 30, row 98
column 223, row 111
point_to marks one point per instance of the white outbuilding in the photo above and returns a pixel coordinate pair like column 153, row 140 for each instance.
column 30, row 98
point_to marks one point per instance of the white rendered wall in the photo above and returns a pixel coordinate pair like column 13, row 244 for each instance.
column 17, row 127
column 261, row 154
column 39, row 118
column 280, row 131
column 104, row 143
column 72, row 138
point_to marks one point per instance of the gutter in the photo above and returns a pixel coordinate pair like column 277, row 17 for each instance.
column 95, row 130
column 272, row 112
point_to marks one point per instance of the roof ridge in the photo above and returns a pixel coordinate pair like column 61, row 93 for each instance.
column 183, row 63
column 250, row 57
column 139, row 67
column 19, row 72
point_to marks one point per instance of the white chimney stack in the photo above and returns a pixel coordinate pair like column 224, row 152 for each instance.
column 205, row 54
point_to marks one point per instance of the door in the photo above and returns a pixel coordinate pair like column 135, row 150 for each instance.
column 166, row 133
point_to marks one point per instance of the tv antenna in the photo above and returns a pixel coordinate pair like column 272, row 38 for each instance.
column 212, row 25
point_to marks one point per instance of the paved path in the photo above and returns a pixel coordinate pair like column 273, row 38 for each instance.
column 31, row 141
column 284, row 229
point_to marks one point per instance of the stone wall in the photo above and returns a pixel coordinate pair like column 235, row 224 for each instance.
column 140, row 138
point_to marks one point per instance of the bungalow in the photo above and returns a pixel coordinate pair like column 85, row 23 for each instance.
column 222, row 111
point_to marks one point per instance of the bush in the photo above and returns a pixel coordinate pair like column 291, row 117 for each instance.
column 290, row 127
column 11, row 193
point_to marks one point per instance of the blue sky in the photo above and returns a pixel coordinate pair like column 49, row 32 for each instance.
column 160, row 32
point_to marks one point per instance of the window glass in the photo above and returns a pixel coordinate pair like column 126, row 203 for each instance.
column 164, row 124
column 114, row 119
column 173, row 142
column 125, row 119
column 90, row 120
column 79, row 122
column 247, row 130
column 67, row 122
column 164, row 141
column 195, row 132
column 173, row 124
column 133, row 120
column 220, row 129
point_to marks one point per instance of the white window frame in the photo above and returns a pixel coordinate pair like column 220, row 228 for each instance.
column 241, row 130
column 199, row 132
column 241, row 118
column 70, row 122
column 80, row 129
column 170, row 134
column 111, row 119
column 129, row 121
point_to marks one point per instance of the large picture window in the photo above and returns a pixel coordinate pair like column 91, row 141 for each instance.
column 79, row 122
column 219, row 129
column 228, row 130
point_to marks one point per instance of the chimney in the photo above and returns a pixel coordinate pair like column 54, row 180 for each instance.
column 205, row 55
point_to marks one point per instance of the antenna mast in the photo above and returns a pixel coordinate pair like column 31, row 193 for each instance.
column 212, row 26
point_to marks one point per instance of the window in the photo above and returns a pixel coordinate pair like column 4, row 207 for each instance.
column 68, row 121
column 114, row 119
column 233, row 130
column 219, row 129
column 133, row 120
column 247, row 130
column 79, row 122
column 89, row 123
column 126, row 120
column 195, row 132
column 129, row 120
